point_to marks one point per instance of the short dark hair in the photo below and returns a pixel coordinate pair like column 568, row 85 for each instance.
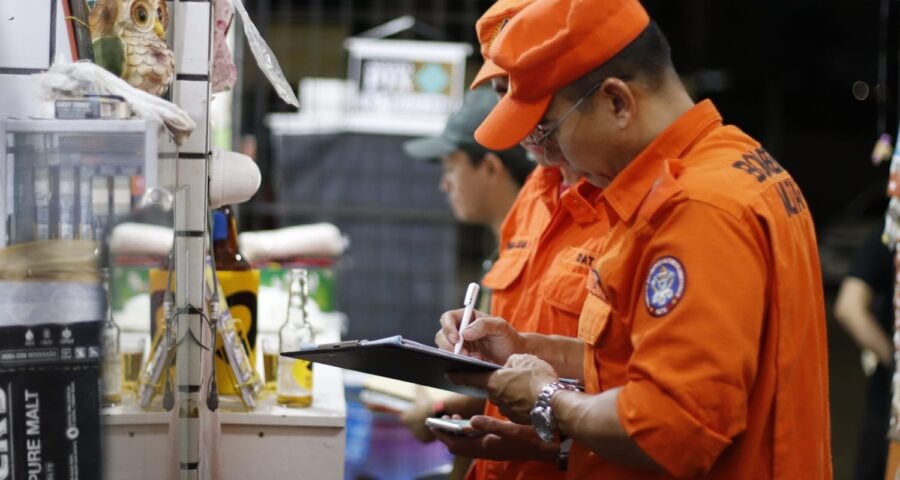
column 515, row 160
column 648, row 59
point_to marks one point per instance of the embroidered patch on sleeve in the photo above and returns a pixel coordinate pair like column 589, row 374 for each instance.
column 665, row 286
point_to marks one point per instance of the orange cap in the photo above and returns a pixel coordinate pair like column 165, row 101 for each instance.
column 487, row 28
column 547, row 46
column 488, row 70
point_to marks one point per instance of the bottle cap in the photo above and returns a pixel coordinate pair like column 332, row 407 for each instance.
column 220, row 226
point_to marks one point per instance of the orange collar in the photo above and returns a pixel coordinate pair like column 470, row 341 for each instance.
column 629, row 188
column 547, row 186
column 548, row 179
column 579, row 199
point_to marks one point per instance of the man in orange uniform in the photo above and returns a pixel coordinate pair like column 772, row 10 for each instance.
column 703, row 338
column 548, row 240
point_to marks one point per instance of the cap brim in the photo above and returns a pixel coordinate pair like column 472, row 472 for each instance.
column 431, row 149
column 488, row 71
column 510, row 122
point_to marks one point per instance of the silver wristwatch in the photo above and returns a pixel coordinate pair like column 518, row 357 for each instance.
column 542, row 415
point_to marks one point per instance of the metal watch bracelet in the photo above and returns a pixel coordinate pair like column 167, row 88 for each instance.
column 542, row 415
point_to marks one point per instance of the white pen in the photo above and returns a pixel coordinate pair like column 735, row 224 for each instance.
column 469, row 303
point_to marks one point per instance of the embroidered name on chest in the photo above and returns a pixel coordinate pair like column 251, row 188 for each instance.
column 517, row 244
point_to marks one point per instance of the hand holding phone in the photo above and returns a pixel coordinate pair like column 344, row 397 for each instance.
column 456, row 426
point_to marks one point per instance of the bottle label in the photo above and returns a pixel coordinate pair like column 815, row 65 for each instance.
column 112, row 375
column 302, row 373
column 241, row 290
column 294, row 378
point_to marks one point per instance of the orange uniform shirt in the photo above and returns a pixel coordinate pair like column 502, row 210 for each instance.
column 715, row 321
column 547, row 244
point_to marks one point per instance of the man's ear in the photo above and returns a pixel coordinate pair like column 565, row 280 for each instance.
column 619, row 100
column 492, row 164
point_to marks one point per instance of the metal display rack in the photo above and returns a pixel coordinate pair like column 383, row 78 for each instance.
column 193, row 51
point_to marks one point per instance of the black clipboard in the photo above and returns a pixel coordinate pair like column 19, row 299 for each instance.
column 399, row 358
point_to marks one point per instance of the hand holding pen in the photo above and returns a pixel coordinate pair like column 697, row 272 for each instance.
column 503, row 336
column 486, row 338
column 469, row 304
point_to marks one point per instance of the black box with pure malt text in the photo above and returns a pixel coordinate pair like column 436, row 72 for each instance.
column 50, row 401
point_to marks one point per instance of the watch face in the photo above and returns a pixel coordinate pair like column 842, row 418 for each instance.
column 541, row 420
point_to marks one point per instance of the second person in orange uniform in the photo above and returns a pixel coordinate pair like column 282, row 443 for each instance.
column 702, row 341
column 547, row 243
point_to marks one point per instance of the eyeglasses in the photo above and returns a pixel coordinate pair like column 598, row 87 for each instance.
column 540, row 134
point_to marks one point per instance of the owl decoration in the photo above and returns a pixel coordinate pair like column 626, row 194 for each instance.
column 129, row 40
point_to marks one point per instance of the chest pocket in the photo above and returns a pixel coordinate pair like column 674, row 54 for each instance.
column 563, row 286
column 607, row 341
column 506, row 269
column 592, row 323
column 593, row 320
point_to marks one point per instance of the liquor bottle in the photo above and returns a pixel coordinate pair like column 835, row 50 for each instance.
column 112, row 357
column 240, row 284
column 294, row 388
column 225, row 241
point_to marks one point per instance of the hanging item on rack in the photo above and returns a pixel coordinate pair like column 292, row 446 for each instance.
column 227, row 332
column 239, row 374
column 156, row 372
column 224, row 73
column 265, row 58
column 129, row 39
column 239, row 285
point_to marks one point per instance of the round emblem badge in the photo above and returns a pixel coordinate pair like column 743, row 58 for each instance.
column 665, row 286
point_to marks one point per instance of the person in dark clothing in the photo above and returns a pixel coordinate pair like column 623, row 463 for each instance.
column 864, row 308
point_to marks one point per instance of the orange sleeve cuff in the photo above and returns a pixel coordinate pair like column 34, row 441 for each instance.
column 666, row 432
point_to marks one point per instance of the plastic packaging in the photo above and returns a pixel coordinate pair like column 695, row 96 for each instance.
column 265, row 58
column 319, row 239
